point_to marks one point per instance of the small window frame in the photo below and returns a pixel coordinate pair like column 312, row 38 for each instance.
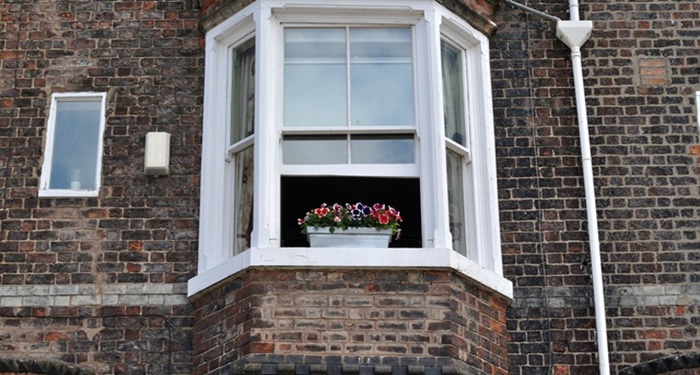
column 45, row 189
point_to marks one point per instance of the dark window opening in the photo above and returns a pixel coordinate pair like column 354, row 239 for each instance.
column 301, row 194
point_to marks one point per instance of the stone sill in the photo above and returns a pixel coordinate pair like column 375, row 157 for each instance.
column 335, row 258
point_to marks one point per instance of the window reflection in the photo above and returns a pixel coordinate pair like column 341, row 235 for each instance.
column 455, row 188
column 315, row 150
column 453, row 93
column 381, row 77
column 74, row 162
column 382, row 149
column 378, row 75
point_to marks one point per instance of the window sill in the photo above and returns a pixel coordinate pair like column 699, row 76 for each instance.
column 351, row 258
column 57, row 193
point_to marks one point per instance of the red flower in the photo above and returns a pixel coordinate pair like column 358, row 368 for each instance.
column 356, row 215
column 384, row 219
column 321, row 212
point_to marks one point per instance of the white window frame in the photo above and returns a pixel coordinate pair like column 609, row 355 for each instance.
column 697, row 105
column 44, row 186
column 266, row 19
column 289, row 19
column 479, row 178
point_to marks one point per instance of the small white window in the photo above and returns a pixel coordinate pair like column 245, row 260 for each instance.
column 73, row 157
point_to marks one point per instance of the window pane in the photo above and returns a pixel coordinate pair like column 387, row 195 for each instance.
column 382, row 94
column 74, row 159
column 310, row 44
column 243, row 95
column 315, row 150
column 381, row 43
column 455, row 190
column 382, row 149
column 315, row 88
column 381, row 77
column 453, row 93
column 315, row 95
column 243, row 200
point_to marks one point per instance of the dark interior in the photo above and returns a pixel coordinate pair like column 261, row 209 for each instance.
column 301, row 194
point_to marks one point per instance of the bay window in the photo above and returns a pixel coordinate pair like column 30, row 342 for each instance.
column 306, row 104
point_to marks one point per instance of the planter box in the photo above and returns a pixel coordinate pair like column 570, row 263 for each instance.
column 352, row 237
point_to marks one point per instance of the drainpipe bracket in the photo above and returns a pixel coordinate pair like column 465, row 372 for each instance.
column 574, row 33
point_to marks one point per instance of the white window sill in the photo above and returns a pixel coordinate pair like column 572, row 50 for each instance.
column 351, row 258
column 59, row 193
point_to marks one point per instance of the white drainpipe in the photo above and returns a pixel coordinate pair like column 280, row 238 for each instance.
column 575, row 33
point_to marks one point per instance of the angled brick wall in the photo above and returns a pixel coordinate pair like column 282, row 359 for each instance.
column 342, row 321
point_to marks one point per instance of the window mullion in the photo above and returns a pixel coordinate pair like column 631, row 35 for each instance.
column 266, row 151
column 348, row 81
column 348, row 91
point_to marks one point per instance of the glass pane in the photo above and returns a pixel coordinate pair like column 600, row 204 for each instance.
column 315, row 82
column 381, row 77
column 453, row 93
column 310, row 44
column 455, row 190
column 382, row 94
column 381, row 43
column 243, row 200
column 382, row 149
column 74, row 161
column 315, row 150
column 315, row 95
column 243, row 95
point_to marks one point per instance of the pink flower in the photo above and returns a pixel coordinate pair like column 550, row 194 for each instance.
column 378, row 206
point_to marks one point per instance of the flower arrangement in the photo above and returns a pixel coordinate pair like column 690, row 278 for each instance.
column 356, row 215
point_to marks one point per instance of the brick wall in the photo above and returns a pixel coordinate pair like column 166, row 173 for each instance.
column 99, row 283
column 641, row 69
column 346, row 321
